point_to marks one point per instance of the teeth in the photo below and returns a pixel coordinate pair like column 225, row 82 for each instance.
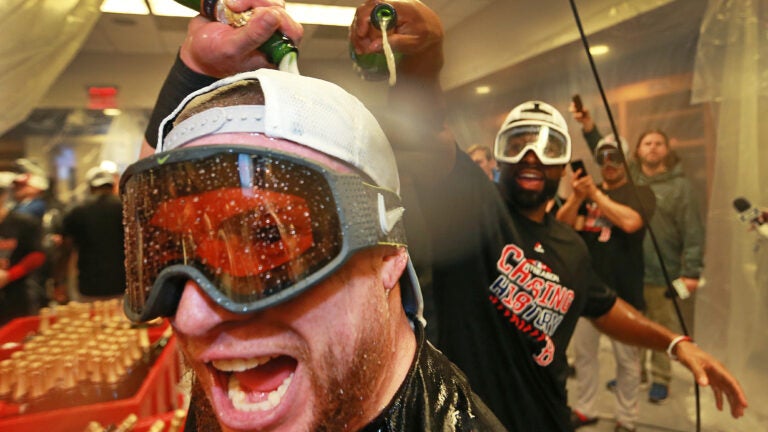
column 530, row 175
column 239, row 397
column 239, row 365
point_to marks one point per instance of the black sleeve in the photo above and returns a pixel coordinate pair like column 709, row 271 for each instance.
column 592, row 137
column 180, row 82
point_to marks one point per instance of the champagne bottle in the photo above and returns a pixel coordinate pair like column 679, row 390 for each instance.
column 126, row 425
column 157, row 426
column 279, row 49
column 379, row 66
column 177, row 420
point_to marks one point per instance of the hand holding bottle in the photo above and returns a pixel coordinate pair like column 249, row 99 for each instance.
column 219, row 50
column 414, row 120
column 418, row 36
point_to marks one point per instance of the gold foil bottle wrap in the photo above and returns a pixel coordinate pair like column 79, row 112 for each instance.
column 228, row 16
column 69, row 380
column 6, row 378
column 82, row 364
column 157, row 426
column 94, row 427
column 22, row 381
column 177, row 420
column 36, row 381
column 144, row 339
column 45, row 320
column 127, row 424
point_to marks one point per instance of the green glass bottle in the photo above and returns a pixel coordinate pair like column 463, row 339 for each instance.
column 279, row 49
column 373, row 66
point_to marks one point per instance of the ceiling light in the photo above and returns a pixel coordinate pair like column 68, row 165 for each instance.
column 170, row 8
column 321, row 14
column 135, row 7
column 302, row 12
column 481, row 90
column 597, row 50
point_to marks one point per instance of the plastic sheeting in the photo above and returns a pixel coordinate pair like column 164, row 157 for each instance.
column 36, row 48
column 732, row 309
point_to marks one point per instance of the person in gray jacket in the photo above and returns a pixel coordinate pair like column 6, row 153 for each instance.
column 678, row 228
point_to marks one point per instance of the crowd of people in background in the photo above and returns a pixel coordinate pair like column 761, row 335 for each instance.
column 42, row 238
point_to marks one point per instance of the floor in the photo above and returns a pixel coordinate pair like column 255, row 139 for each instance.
column 677, row 413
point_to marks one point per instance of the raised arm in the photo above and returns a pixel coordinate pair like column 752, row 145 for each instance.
column 415, row 117
column 588, row 128
column 212, row 50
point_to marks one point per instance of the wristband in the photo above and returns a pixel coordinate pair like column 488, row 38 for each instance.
column 675, row 341
column 180, row 82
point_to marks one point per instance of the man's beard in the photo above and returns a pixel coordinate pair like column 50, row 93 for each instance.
column 343, row 399
column 652, row 164
column 525, row 199
column 341, row 394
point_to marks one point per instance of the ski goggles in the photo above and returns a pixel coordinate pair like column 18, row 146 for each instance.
column 609, row 155
column 252, row 227
column 551, row 146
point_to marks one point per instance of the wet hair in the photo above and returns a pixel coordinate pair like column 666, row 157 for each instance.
column 238, row 93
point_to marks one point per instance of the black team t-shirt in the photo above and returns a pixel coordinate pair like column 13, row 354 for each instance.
column 507, row 295
column 617, row 256
column 97, row 229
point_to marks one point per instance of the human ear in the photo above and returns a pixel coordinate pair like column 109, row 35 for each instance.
column 394, row 261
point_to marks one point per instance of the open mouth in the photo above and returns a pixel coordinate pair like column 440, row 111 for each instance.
column 530, row 179
column 255, row 384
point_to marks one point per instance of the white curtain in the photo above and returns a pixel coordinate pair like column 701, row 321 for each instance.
column 40, row 38
column 731, row 71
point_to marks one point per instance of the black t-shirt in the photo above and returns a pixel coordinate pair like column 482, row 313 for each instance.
column 96, row 226
column 510, row 344
column 617, row 256
column 19, row 236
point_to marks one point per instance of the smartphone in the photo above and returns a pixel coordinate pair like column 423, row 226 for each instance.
column 578, row 164
column 577, row 103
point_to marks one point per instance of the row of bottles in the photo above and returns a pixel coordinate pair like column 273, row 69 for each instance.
column 82, row 354
column 128, row 424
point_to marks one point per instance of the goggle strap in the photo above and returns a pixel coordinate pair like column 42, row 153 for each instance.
column 362, row 222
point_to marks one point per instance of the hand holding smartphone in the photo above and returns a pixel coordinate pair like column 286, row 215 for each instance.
column 576, row 165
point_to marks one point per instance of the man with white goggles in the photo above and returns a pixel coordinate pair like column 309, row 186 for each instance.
column 537, row 127
column 269, row 228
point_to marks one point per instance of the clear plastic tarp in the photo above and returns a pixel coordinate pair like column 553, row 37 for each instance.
column 40, row 38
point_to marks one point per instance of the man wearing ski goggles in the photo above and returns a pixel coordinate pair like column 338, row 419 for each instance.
column 609, row 156
column 268, row 227
column 532, row 146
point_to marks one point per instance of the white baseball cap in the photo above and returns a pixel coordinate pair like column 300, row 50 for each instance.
column 308, row 111
column 30, row 179
column 98, row 176
column 6, row 179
